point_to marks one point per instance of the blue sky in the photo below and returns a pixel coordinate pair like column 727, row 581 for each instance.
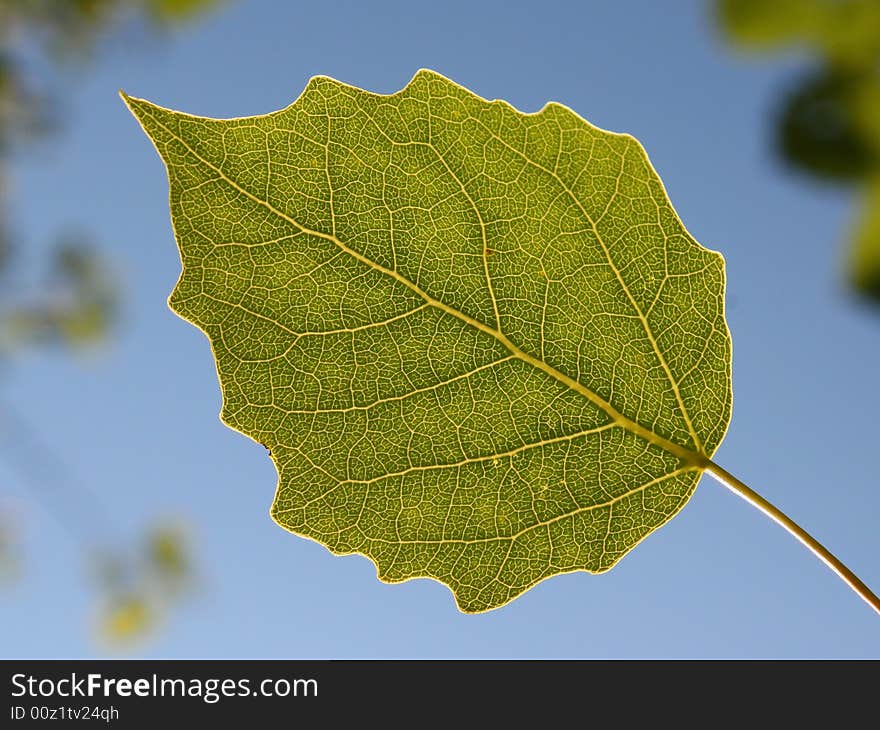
column 139, row 422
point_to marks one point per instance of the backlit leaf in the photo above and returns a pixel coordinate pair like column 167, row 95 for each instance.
column 479, row 344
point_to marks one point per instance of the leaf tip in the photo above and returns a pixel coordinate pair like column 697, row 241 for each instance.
column 147, row 114
column 138, row 107
column 131, row 103
column 126, row 99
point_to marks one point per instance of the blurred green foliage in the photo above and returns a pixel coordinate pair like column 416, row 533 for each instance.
column 77, row 301
column 845, row 32
column 828, row 124
column 76, row 305
column 865, row 263
column 819, row 129
column 139, row 586
column 178, row 10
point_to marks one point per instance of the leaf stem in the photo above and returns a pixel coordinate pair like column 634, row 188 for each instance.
column 780, row 518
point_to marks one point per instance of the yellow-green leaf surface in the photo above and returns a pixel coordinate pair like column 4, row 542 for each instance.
column 865, row 257
column 479, row 344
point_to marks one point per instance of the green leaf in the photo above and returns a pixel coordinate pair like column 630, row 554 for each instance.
column 125, row 619
column 865, row 257
column 845, row 32
column 769, row 25
column 178, row 10
column 823, row 127
column 77, row 306
column 479, row 344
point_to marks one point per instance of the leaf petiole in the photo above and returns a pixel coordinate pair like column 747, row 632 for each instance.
column 818, row 549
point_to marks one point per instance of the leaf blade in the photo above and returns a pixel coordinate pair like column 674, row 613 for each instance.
column 399, row 263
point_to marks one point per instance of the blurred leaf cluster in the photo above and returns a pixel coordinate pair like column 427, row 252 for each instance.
column 75, row 305
column 138, row 589
column 828, row 124
column 76, row 302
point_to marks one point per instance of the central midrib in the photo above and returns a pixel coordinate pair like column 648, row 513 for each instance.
column 687, row 456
